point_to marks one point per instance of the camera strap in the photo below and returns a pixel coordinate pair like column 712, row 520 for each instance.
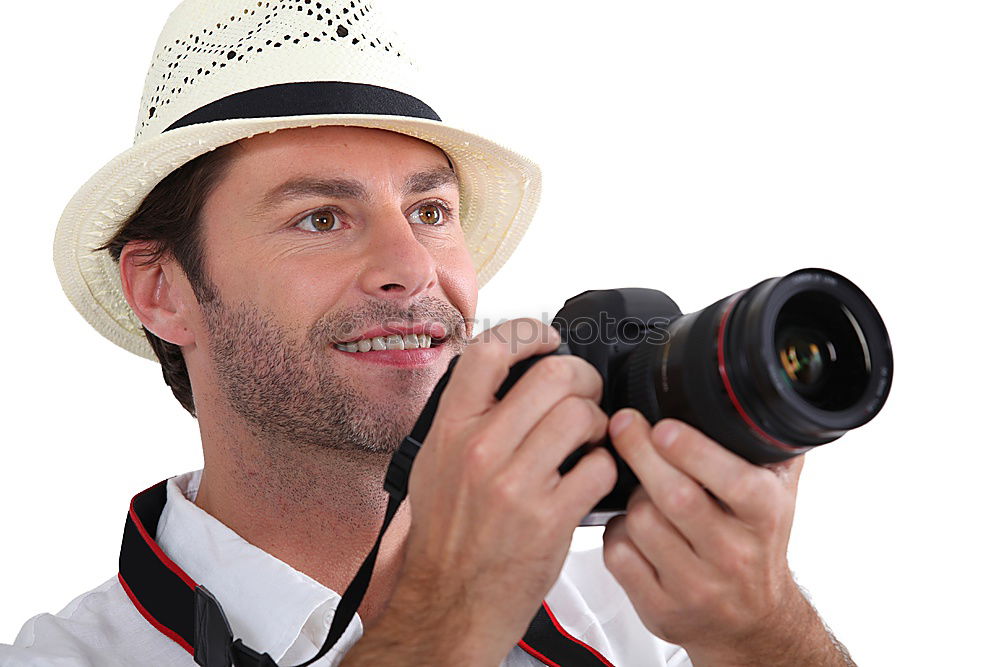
column 188, row 614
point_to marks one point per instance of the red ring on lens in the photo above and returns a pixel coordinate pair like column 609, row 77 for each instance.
column 729, row 387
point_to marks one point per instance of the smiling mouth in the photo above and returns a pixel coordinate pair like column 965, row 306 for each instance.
column 391, row 342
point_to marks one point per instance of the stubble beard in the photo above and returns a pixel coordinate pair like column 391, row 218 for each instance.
column 296, row 394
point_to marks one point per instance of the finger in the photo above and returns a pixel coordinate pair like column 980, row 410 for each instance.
column 679, row 497
column 751, row 492
column 573, row 422
column 625, row 562
column 659, row 540
column 549, row 381
column 487, row 359
column 592, row 478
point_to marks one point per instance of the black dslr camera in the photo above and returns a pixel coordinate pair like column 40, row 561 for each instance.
column 769, row 372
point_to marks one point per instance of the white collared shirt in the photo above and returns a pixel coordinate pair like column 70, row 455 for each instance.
column 273, row 607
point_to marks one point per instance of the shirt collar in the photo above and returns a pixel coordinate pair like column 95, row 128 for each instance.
column 267, row 602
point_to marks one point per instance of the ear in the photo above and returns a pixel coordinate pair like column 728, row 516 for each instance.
column 158, row 292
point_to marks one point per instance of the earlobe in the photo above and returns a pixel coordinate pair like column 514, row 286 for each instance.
column 156, row 289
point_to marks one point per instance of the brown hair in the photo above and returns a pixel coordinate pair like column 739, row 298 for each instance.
column 168, row 218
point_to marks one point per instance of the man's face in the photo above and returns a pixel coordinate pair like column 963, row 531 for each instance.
column 316, row 238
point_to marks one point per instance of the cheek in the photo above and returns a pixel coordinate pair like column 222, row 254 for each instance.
column 297, row 291
column 308, row 289
column 458, row 280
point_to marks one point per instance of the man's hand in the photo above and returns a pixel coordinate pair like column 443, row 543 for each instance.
column 702, row 550
column 492, row 518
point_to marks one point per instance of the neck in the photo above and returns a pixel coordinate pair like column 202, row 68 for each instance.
column 317, row 509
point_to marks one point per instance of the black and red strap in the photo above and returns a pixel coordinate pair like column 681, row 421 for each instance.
column 161, row 591
column 169, row 599
column 189, row 615
column 549, row 642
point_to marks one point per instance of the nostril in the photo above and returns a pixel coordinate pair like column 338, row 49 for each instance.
column 392, row 287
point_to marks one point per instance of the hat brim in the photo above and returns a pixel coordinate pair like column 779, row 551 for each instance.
column 499, row 192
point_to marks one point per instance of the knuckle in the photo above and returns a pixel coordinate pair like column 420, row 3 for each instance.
column 640, row 517
column 507, row 489
column 605, row 470
column 599, row 426
column 682, row 498
column 487, row 351
column 680, row 447
column 554, row 371
column 637, row 496
column 587, row 369
column 597, row 470
column 749, row 486
column 574, row 411
column 771, row 525
column 616, row 555
column 770, row 489
column 686, row 443
column 527, row 328
column 740, row 558
column 523, row 331
column 776, row 514
column 477, row 456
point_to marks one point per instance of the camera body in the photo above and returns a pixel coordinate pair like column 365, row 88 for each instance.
column 605, row 327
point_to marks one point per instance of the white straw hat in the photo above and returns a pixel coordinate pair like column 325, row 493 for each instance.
column 225, row 70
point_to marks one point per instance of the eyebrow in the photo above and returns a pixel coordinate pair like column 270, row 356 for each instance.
column 430, row 179
column 347, row 188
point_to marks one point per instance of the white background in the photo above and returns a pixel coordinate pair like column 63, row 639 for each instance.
column 692, row 147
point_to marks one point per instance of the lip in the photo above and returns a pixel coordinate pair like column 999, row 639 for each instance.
column 436, row 330
column 415, row 358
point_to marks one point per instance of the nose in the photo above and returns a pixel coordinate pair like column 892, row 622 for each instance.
column 397, row 265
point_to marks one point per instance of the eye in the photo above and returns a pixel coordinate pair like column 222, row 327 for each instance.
column 323, row 220
column 431, row 213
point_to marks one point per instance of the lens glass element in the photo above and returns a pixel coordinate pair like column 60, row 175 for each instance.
column 805, row 356
column 821, row 350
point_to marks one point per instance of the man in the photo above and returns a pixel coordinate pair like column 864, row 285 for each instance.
column 299, row 241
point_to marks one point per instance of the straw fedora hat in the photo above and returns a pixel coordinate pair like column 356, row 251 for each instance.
column 225, row 70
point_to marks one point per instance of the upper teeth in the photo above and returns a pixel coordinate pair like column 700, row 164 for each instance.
column 393, row 342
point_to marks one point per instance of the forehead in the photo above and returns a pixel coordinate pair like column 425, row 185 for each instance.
column 334, row 147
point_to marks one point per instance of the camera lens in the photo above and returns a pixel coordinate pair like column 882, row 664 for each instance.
column 822, row 350
column 770, row 372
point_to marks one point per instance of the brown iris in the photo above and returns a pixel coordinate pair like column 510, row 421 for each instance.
column 323, row 220
column 429, row 214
